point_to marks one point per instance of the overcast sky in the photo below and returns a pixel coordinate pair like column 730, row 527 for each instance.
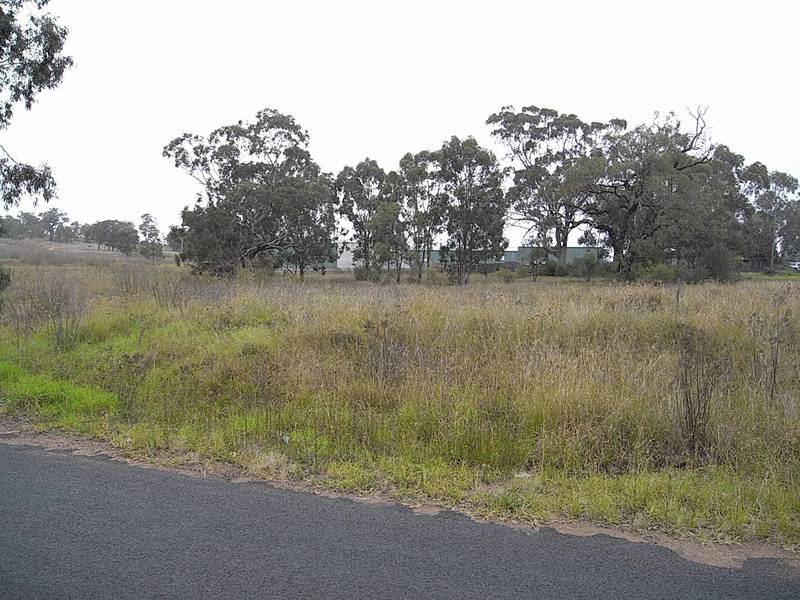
column 380, row 79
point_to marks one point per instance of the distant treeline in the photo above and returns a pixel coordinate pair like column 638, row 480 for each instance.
column 113, row 235
column 652, row 194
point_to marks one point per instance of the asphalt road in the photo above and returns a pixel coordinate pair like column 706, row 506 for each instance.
column 85, row 528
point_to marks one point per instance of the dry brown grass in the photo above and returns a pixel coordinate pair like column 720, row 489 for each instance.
column 589, row 390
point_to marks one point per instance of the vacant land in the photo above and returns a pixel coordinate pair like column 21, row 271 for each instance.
column 41, row 253
column 676, row 408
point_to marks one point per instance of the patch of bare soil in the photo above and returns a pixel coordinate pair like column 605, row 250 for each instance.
column 20, row 432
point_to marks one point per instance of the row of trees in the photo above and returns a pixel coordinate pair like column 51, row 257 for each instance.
column 52, row 224
column 659, row 192
column 396, row 217
column 113, row 235
column 267, row 202
column 654, row 193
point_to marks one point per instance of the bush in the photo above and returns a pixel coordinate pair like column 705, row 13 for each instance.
column 131, row 280
column 57, row 301
column 504, row 275
column 435, row 277
column 554, row 269
column 5, row 282
column 366, row 274
column 589, row 266
column 699, row 372
column 718, row 263
column 655, row 273
column 5, row 279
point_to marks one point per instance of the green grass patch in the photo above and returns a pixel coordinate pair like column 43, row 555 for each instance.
column 55, row 403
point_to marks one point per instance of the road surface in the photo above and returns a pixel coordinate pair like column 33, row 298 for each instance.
column 87, row 527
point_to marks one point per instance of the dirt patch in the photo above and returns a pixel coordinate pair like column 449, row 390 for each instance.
column 731, row 556
column 19, row 432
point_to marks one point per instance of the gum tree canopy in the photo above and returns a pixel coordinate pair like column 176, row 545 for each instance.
column 31, row 60
column 264, row 198
column 544, row 147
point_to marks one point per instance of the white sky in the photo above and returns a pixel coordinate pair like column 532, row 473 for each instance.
column 380, row 79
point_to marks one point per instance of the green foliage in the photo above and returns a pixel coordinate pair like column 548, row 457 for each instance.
column 719, row 263
column 434, row 277
column 32, row 42
column 362, row 190
column 546, row 149
column 554, row 269
column 589, row 266
column 655, row 273
column 120, row 236
column 391, row 248
column 504, row 275
column 420, row 190
column 475, row 206
column 150, row 244
column 52, row 221
column 263, row 194
column 374, row 274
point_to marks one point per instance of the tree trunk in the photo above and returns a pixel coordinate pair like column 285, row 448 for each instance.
column 561, row 247
column 618, row 247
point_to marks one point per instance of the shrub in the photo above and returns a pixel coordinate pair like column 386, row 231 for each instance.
column 504, row 275
column 655, row 273
column 435, row 277
column 5, row 282
column 368, row 274
column 5, row 279
column 589, row 266
column 131, row 280
column 698, row 374
column 719, row 263
column 554, row 269
column 61, row 303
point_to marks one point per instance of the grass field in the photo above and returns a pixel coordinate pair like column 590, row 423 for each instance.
column 675, row 408
column 40, row 252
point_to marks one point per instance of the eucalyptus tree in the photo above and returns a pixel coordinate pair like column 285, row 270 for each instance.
column 702, row 228
column 51, row 221
column 150, row 245
column 71, row 233
column 422, row 207
column 31, row 60
column 30, row 224
column 772, row 194
column 174, row 238
column 262, row 193
column 544, row 146
column 11, row 227
column 312, row 226
column 388, row 228
column 120, row 236
column 636, row 182
column 361, row 190
column 791, row 231
column 474, row 205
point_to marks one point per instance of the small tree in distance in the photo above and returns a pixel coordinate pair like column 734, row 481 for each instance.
column 150, row 246
column 52, row 221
